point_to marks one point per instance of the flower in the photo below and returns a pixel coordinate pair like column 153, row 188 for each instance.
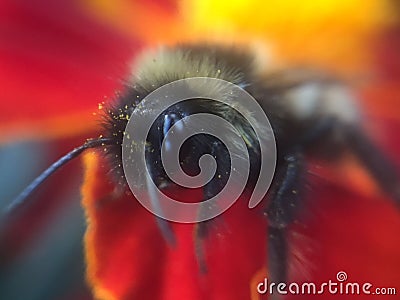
column 60, row 59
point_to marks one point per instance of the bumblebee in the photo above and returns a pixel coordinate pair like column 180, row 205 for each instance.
column 312, row 114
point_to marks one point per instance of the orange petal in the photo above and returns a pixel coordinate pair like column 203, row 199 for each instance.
column 119, row 234
column 151, row 21
column 334, row 34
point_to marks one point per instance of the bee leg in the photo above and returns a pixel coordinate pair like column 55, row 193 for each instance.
column 203, row 228
column 371, row 157
column 277, row 257
column 163, row 225
column 281, row 212
column 201, row 233
column 377, row 164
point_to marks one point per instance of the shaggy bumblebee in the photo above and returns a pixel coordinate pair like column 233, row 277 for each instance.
column 312, row 115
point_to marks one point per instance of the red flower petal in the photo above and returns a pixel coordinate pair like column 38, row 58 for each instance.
column 56, row 64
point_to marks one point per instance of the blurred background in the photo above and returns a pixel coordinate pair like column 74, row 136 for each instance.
column 60, row 59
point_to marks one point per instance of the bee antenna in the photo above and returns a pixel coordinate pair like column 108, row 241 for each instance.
column 27, row 192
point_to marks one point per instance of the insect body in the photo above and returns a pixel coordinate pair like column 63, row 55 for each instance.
column 311, row 115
